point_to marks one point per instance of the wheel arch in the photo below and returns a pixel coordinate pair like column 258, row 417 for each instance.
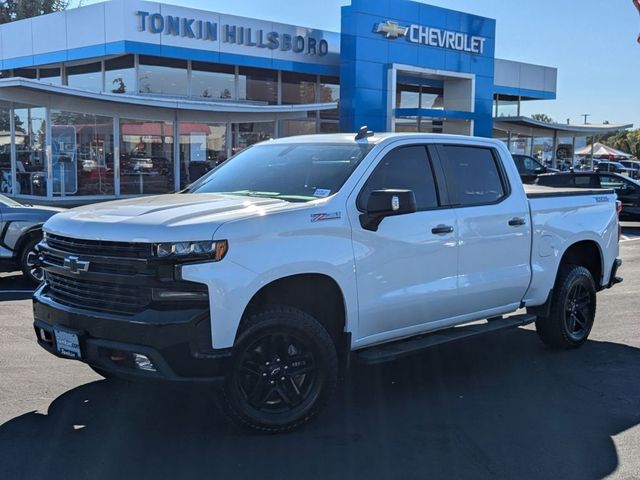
column 317, row 294
column 33, row 231
column 586, row 253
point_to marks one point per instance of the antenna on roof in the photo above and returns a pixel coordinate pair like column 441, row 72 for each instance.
column 364, row 132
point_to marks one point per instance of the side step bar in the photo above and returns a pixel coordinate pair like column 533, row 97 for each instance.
column 391, row 351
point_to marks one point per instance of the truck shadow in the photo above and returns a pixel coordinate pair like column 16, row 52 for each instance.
column 494, row 407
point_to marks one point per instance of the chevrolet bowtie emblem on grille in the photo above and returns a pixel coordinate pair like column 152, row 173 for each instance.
column 391, row 29
column 75, row 265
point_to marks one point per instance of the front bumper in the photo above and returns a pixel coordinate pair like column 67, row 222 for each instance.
column 178, row 342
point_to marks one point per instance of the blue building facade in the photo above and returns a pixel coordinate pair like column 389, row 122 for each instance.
column 131, row 97
column 388, row 43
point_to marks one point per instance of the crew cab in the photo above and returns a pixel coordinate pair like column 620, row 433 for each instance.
column 278, row 267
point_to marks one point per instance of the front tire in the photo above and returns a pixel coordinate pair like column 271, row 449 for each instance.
column 284, row 370
column 573, row 309
column 28, row 261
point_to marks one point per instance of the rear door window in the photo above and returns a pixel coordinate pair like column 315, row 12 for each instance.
column 473, row 175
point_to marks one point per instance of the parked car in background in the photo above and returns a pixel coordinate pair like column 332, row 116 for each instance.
column 628, row 190
column 529, row 168
column 632, row 165
column 611, row 167
column 20, row 232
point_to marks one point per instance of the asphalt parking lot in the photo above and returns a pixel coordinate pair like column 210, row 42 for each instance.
column 500, row 406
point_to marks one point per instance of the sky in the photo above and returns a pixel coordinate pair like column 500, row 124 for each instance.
column 592, row 43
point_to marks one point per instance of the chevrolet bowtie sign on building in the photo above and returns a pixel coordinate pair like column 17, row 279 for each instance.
column 433, row 37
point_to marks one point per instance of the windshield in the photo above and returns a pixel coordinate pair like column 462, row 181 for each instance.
column 9, row 202
column 294, row 172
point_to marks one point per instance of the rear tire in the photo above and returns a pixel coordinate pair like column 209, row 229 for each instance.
column 573, row 309
column 283, row 371
column 28, row 261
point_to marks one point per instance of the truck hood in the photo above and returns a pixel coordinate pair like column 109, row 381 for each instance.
column 164, row 218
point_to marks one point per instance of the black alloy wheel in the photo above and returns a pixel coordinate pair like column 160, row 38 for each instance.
column 29, row 262
column 578, row 312
column 284, row 369
column 573, row 309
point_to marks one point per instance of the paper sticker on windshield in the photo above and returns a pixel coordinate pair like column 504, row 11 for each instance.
column 322, row 192
column 320, row 217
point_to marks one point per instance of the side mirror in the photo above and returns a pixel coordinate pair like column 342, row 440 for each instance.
column 387, row 203
column 540, row 170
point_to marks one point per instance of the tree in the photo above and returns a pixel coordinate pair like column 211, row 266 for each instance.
column 12, row 10
column 625, row 140
column 542, row 117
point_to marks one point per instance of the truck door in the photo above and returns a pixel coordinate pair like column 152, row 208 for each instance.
column 406, row 270
column 494, row 230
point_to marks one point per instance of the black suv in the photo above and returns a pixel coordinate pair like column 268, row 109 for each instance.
column 628, row 190
column 529, row 168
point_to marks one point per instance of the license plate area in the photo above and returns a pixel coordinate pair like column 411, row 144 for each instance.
column 67, row 343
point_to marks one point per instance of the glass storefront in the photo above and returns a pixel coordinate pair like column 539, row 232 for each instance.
column 6, row 180
column 213, row 81
column 120, row 75
column 146, row 157
column 246, row 134
column 202, row 147
column 258, row 84
column 82, row 154
column 298, row 88
column 31, row 164
column 165, row 76
column 82, row 146
column 85, row 77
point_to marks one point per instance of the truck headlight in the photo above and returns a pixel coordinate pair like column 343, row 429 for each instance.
column 213, row 250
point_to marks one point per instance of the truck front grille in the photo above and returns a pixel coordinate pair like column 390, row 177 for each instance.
column 94, row 295
column 97, row 247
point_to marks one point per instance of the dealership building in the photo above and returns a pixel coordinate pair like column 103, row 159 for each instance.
column 129, row 97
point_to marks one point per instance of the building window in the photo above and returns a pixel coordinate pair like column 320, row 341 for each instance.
column 203, row 146
column 258, row 85
column 146, row 157
column 85, row 77
column 31, row 73
column 163, row 76
column 120, row 75
column 82, row 154
column 246, row 134
column 298, row 88
column 328, row 92
column 6, row 181
column 289, row 128
column 408, row 96
column 216, row 82
column 31, row 164
column 50, row 75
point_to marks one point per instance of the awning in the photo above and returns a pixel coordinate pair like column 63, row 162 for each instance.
column 33, row 92
column 536, row 128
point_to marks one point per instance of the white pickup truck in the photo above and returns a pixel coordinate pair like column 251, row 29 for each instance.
column 280, row 265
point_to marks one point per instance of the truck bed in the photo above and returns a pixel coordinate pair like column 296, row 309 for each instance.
column 538, row 191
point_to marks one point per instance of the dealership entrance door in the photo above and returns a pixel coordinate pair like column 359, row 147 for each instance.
column 430, row 101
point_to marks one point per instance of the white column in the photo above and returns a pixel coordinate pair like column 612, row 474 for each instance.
column 116, row 155
column 176, row 153
column 13, row 158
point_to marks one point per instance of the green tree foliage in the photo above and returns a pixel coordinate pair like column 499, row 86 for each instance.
column 542, row 117
column 11, row 10
column 625, row 140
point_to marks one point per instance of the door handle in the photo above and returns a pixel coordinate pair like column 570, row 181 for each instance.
column 442, row 229
column 517, row 222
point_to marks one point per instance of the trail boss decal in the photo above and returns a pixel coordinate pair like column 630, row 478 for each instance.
column 321, row 217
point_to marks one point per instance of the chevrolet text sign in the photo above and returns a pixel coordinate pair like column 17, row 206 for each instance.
column 433, row 37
